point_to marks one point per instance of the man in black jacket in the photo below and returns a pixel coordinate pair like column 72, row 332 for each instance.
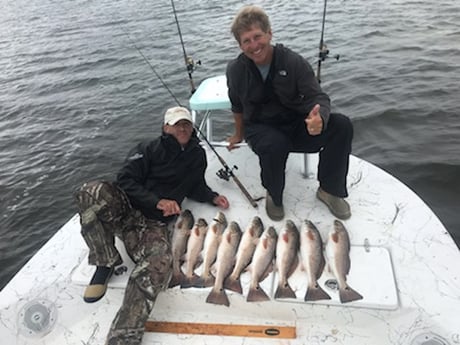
column 156, row 178
column 279, row 107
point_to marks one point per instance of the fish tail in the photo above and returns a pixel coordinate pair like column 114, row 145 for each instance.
column 284, row 291
column 188, row 282
column 257, row 294
column 316, row 293
column 349, row 295
column 203, row 282
column 233, row 284
column 197, row 282
column 176, row 279
column 218, row 296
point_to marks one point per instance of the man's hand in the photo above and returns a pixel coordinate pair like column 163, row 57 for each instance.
column 239, row 130
column 169, row 207
column 233, row 141
column 221, row 201
column 314, row 121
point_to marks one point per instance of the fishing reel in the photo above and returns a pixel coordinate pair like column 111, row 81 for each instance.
column 226, row 173
column 324, row 53
column 191, row 65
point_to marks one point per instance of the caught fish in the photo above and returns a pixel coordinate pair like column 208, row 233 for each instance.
column 211, row 243
column 225, row 262
column 192, row 255
column 338, row 255
column 287, row 259
column 181, row 232
column 262, row 264
column 244, row 254
column 311, row 252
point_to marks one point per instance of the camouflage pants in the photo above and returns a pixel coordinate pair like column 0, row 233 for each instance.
column 105, row 212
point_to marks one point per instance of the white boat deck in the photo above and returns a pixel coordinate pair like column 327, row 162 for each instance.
column 409, row 277
column 386, row 214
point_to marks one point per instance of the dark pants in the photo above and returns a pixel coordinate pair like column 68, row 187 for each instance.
column 272, row 145
column 105, row 212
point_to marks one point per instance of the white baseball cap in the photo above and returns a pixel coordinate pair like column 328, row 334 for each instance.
column 175, row 114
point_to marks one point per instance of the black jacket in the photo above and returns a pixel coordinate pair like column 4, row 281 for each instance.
column 161, row 169
column 289, row 92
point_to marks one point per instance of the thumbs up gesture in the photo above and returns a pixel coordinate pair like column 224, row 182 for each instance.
column 314, row 122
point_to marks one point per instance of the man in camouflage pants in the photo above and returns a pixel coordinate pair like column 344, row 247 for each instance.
column 155, row 179
column 106, row 212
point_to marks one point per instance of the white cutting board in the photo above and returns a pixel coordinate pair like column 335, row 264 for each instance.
column 371, row 274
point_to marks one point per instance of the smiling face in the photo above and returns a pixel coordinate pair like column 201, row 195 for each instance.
column 181, row 130
column 256, row 45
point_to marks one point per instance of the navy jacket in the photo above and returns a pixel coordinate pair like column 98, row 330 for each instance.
column 161, row 169
column 289, row 92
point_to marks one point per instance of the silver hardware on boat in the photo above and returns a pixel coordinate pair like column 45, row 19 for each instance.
column 37, row 318
column 367, row 245
column 429, row 339
column 120, row 270
column 332, row 284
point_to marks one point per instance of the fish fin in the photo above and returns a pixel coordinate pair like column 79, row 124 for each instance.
column 316, row 293
column 302, row 267
column 267, row 271
column 284, row 291
column 218, row 296
column 198, row 262
column 320, row 271
column 257, row 294
column 294, row 265
column 233, row 284
column 349, row 295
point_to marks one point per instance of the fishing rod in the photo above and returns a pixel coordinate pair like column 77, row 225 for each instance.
column 150, row 65
column 323, row 51
column 226, row 172
column 190, row 65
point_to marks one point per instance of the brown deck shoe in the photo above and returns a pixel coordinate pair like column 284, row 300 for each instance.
column 338, row 206
column 274, row 212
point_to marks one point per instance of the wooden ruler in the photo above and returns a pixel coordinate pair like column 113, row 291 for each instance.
column 286, row 332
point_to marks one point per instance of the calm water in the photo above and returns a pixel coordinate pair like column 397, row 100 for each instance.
column 76, row 95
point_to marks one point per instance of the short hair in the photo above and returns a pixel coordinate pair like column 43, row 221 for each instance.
column 248, row 16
